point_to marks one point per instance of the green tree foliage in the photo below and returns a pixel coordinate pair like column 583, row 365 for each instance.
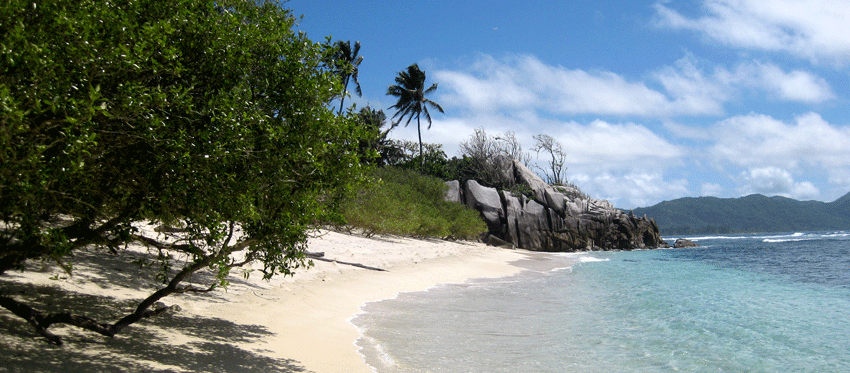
column 410, row 91
column 211, row 115
column 405, row 154
column 377, row 149
column 753, row 213
column 405, row 202
column 346, row 65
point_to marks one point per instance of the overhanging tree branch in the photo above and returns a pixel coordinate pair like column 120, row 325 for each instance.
column 197, row 125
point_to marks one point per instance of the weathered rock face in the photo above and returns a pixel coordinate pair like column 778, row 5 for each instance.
column 487, row 201
column 555, row 218
column 682, row 243
column 454, row 194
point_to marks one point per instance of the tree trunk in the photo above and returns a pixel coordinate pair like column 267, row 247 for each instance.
column 42, row 321
column 342, row 100
column 421, row 155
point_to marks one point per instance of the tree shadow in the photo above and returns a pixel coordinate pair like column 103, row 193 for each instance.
column 171, row 342
column 214, row 344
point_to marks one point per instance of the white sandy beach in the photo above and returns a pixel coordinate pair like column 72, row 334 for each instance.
column 292, row 324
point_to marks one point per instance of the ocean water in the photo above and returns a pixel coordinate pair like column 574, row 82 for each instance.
column 738, row 303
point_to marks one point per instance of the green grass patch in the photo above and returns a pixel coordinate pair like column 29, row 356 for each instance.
column 406, row 203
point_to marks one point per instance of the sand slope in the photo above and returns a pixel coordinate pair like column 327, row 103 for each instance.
column 293, row 324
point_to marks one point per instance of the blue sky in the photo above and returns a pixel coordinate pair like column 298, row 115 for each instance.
column 652, row 100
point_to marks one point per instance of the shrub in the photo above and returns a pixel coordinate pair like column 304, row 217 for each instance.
column 208, row 113
column 404, row 202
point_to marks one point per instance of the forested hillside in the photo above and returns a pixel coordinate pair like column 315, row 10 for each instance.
column 753, row 213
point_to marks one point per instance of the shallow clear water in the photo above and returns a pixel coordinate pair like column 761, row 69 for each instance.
column 745, row 303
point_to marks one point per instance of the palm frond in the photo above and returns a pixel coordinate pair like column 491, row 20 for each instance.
column 410, row 92
column 345, row 66
column 427, row 116
column 434, row 105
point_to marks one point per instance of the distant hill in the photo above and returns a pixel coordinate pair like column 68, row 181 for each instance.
column 753, row 213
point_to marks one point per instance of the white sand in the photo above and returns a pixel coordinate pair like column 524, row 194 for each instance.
column 291, row 324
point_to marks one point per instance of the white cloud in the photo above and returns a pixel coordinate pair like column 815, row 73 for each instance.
column 776, row 181
column 816, row 30
column 771, row 151
column 524, row 83
column 595, row 145
column 796, row 85
column 630, row 190
column 711, row 189
column 692, row 87
column 615, row 146
column 687, row 131
column 760, row 140
column 840, row 177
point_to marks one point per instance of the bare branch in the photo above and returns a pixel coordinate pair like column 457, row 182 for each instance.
column 555, row 172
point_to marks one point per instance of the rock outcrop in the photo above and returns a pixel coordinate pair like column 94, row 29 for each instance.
column 553, row 218
column 682, row 243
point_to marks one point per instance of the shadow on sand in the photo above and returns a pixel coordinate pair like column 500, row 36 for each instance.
column 170, row 342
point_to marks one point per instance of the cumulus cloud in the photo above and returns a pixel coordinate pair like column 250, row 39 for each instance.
column 776, row 181
column 711, row 189
column 760, row 140
column 811, row 29
column 594, row 145
column 526, row 83
column 692, row 87
column 632, row 189
column 615, row 145
column 840, row 177
column 796, row 85
column 771, row 151
column 693, row 90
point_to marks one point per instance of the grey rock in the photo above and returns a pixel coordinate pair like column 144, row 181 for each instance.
column 529, row 178
column 556, row 219
column 454, row 192
column 555, row 201
column 486, row 201
column 531, row 225
column 492, row 240
column 572, row 209
column 682, row 243
column 513, row 211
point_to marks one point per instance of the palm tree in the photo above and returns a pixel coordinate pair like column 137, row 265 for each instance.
column 346, row 64
column 374, row 122
column 409, row 89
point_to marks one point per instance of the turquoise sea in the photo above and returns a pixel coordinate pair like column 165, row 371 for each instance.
column 738, row 303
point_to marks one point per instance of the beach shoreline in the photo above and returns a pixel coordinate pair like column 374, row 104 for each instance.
column 300, row 323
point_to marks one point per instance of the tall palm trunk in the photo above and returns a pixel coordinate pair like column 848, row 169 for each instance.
column 421, row 155
column 342, row 100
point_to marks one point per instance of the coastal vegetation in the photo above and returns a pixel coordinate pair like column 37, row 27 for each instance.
column 346, row 63
column 208, row 118
column 407, row 203
column 214, row 122
column 410, row 91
